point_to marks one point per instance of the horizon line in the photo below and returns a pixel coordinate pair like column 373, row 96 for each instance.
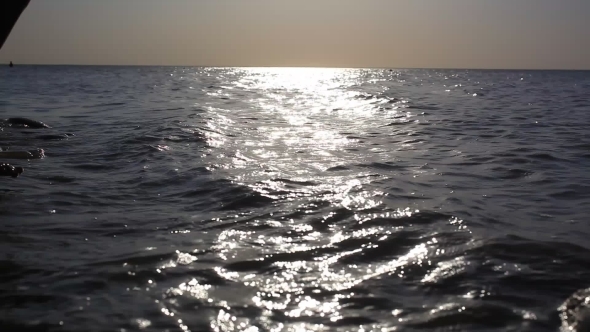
column 301, row 67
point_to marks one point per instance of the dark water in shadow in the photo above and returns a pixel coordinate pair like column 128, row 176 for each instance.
column 177, row 199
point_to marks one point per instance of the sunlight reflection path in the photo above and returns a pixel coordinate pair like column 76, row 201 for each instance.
column 299, row 270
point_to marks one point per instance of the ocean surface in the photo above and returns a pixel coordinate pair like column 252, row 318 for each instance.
column 227, row 199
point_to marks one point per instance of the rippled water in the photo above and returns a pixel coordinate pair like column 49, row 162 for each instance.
column 296, row 200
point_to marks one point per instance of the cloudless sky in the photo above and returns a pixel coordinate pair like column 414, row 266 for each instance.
column 520, row 34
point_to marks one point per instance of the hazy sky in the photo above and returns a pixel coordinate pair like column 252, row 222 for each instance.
column 334, row 33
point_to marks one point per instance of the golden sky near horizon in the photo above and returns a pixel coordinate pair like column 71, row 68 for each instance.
column 328, row 33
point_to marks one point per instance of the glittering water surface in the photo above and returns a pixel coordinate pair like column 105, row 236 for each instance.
column 200, row 199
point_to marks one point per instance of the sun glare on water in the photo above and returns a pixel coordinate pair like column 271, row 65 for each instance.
column 304, row 79
column 291, row 139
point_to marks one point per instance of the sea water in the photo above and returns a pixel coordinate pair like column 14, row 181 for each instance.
column 294, row 199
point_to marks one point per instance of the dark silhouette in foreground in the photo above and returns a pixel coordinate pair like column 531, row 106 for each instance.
column 10, row 11
column 9, row 170
column 10, row 65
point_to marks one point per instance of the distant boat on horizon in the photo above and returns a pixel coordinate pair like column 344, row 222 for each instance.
column 10, row 65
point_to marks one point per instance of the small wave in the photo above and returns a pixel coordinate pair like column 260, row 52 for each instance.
column 365, row 96
column 543, row 156
column 136, row 258
column 246, row 201
column 92, row 167
column 518, row 160
column 338, row 168
column 511, row 173
column 105, row 105
column 397, row 123
column 384, row 166
column 413, row 141
column 54, row 137
column 424, row 107
column 566, row 194
column 478, row 316
column 295, row 182
column 405, row 218
column 487, row 135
